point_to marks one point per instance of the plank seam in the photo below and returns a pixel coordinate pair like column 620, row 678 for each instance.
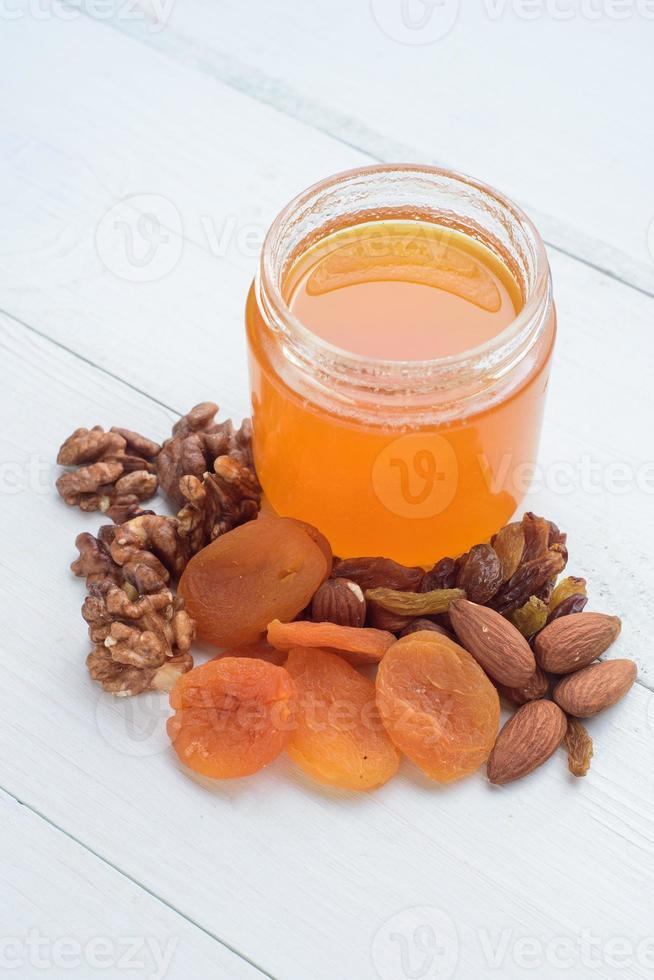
column 114, row 867
column 267, row 90
column 144, row 394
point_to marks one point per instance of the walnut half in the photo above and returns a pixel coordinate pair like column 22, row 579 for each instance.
column 114, row 471
column 141, row 644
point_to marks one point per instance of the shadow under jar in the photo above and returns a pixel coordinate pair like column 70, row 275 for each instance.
column 400, row 332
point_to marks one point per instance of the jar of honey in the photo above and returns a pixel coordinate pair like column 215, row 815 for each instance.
column 400, row 331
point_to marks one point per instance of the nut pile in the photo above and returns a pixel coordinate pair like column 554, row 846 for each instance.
column 141, row 632
column 294, row 625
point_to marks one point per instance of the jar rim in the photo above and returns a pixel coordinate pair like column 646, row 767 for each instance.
column 441, row 371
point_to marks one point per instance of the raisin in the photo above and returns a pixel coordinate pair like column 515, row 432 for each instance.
column 338, row 737
column 580, row 747
column 545, row 591
column 442, row 576
column 531, row 617
column 568, row 606
column 373, row 573
column 356, row 645
column 558, row 539
column 266, row 569
column 526, row 581
column 567, row 587
column 414, row 603
column 382, row 619
column 419, row 625
column 537, row 533
column 509, row 544
column 480, row 575
column 232, row 716
column 438, row 705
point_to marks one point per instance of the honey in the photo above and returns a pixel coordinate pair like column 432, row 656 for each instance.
column 399, row 359
column 402, row 290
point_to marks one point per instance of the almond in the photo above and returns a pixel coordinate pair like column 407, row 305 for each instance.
column 536, row 687
column 573, row 642
column 494, row 642
column 597, row 687
column 526, row 741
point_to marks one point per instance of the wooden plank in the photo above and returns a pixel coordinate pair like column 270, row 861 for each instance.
column 180, row 337
column 307, row 881
column 546, row 101
column 73, row 256
column 68, row 914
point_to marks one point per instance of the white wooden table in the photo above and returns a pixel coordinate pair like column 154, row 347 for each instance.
column 209, row 116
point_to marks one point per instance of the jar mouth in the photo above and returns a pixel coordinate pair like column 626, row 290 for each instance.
column 409, row 191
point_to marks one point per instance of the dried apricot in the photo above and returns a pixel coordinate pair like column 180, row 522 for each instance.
column 266, row 569
column 338, row 737
column 261, row 650
column 232, row 716
column 438, row 705
column 365, row 645
column 318, row 538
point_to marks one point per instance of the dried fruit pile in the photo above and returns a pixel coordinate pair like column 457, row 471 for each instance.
column 294, row 624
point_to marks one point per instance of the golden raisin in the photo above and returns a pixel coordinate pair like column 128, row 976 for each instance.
column 531, row 617
column 580, row 747
column 565, row 588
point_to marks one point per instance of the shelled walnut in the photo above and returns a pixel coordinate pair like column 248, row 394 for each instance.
column 140, row 644
column 221, row 501
column 115, row 471
column 196, row 442
column 141, row 633
column 151, row 548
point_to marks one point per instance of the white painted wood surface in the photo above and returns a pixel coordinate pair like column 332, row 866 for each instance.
column 65, row 913
column 212, row 121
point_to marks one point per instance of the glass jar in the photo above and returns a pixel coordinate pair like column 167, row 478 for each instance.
column 410, row 459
